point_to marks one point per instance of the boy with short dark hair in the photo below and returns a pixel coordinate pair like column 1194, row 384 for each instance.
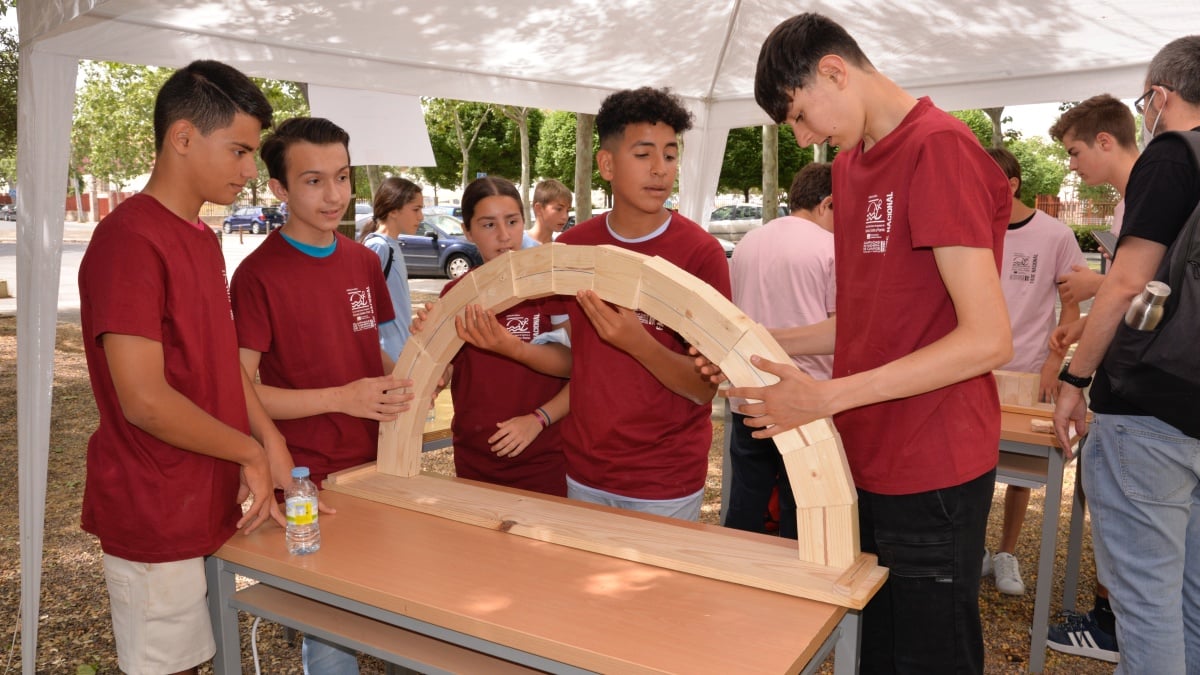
column 177, row 412
column 920, row 222
column 551, row 208
column 308, row 303
column 1100, row 137
column 639, row 431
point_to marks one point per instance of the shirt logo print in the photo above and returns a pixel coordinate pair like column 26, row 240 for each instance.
column 362, row 309
column 1024, row 267
column 878, row 226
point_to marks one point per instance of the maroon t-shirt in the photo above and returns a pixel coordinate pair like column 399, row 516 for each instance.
column 627, row 433
column 315, row 320
column 926, row 184
column 488, row 388
column 147, row 273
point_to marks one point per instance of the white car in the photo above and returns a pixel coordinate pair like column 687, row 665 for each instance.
column 734, row 221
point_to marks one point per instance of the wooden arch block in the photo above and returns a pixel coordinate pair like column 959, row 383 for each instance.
column 813, row 454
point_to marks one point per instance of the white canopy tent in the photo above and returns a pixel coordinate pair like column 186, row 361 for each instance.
column 555, row 54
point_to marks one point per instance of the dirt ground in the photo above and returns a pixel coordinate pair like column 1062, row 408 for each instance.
column 75, row 635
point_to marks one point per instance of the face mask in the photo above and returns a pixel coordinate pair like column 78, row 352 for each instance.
column 1148, row 132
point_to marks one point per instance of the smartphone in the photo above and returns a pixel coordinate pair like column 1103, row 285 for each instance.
column 1106, row 240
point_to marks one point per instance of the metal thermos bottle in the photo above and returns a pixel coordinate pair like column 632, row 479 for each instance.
column 1146, row 310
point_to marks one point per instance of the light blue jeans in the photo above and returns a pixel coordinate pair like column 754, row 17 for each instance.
column 684, row 508
column 1142, row 479
column 325, row 658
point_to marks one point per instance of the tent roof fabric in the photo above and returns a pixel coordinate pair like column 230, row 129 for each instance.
column 553, row 54
column 568, row 54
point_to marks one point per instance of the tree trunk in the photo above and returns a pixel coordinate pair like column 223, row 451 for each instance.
column 521, row 117
column 997, row 133
column 585, row 126
column 374, row 178
column 770, row 167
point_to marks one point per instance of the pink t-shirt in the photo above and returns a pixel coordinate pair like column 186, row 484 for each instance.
column 1035, row 255
column 782, row 277
column 926, row 184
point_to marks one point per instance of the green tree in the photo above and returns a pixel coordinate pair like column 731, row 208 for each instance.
column 8, row 99
column 114, row 126
column 979, row 123
column 556, row 151
column 454, row 128
column 742, row 166
column 1043, row 167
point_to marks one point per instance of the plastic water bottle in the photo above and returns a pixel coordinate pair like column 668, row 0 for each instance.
column 303, row 528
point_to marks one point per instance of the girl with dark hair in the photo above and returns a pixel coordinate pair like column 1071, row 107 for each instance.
column 399, row 209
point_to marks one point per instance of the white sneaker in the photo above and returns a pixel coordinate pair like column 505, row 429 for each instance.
column 1008, row 574
column 987, row 564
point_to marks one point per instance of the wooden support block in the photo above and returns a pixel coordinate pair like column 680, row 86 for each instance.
column 670, row 295
column 574, row 268
column 533, row 272
column 828, row 535
column 732, row 556
column 1017, row 388
column 618, row 275
column 819, row 473
column 400, row 440
column 496, row 283
column 736, row 363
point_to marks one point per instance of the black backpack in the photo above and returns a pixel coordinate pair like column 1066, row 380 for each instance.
column 1159, row 370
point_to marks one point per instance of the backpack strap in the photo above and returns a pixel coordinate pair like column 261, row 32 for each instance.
column 1186, row 248
column 387, row 267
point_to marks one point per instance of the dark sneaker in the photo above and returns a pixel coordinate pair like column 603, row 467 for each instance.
column 1079, row 634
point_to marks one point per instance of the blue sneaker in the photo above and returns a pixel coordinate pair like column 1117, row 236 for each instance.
column 1079, row 634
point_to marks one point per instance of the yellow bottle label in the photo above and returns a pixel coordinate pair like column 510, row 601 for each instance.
column 301, row 510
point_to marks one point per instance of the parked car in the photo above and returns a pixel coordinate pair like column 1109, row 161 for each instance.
column 8, row 212
column 439, row 248
column 726, row 245
column 363, row 212
column 444, row 209
column 257, row 219
column 732, row 222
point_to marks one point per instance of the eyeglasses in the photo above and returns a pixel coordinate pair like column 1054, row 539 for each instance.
column 1140, row 104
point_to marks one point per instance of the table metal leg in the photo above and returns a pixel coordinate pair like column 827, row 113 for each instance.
column 1041, row 603
column 221, row 586
column 1075, row 538
column 845, row 652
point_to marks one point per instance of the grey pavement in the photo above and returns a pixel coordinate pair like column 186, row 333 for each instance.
column 236, row 247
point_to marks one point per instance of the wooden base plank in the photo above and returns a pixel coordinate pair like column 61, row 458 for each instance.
column 760, row 562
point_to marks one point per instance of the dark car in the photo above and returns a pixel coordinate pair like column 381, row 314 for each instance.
column 257, row 219
column 439, row 248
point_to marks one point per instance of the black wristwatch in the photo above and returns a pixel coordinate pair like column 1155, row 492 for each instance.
column 1073, row 380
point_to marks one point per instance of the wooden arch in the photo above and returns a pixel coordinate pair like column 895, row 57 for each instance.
column 829, row 567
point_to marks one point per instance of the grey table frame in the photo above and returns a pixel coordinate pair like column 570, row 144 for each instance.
column 1045, row 470
column 843, row 641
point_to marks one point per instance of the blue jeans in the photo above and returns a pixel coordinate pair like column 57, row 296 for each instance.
column 925, row 618
column 325, row 658
column 1142, row 478
column 757, row 469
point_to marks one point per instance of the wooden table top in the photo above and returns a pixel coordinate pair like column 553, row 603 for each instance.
column 586, row 609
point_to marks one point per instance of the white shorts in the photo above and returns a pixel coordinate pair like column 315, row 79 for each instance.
column 160, row 615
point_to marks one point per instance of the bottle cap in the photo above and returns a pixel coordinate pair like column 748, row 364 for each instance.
column 1158, row 289
column 300, row 472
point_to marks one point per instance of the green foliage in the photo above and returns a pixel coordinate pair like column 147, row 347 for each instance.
column 742, row 166
column 8, row 94
column 113, row 134
column 556, row 151
column 1083, row 235
column 1043, row 167
column 979, row 123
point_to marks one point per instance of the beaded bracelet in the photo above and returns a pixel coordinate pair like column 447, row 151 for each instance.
column 543, row 417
